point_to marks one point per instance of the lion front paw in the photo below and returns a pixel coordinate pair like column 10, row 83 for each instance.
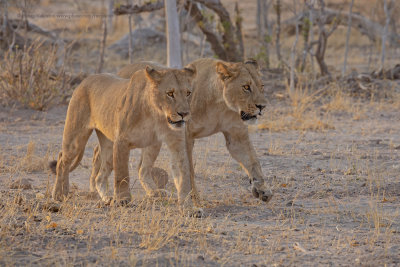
column 262, row 193
column 121, row 199
column 59, row 195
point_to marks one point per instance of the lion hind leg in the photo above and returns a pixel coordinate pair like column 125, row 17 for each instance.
column 72, row 151
column 96, row 163
column 103, row 166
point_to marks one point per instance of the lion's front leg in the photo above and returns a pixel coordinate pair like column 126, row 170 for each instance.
column 149, row 156
column 241, row 149
column 61, row 186
column 181, row 173
column 121, row 171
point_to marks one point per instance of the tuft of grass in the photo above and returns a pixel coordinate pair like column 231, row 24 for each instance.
column 301, row 112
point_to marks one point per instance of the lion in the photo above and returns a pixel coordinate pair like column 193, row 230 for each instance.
column 226, row 98
column 149, row 108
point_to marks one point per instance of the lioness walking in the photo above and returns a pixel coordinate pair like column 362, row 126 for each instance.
column 149, row 108
column 226, row 97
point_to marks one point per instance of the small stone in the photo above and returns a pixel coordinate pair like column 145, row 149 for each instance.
column 21, row 184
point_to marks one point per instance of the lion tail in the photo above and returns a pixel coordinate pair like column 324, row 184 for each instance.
column 53, row 166
column 77, row 160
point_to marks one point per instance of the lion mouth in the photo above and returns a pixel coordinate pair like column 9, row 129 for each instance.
column 246, row 116
column 176, row 123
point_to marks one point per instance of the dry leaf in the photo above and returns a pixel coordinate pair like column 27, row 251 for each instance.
column 51, row 225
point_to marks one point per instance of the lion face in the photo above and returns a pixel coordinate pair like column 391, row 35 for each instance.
column 172, row 90
column 243, row 89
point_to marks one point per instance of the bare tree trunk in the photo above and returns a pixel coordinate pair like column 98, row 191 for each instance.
column 260, row 27
column 306, row 34
column 278, row 30
column 311, row 7
column 110, row 14
column 130, row 48
column 384, row 34
column 267, row 32
column 239, row 35
column 102, row 47
column 174, row 59
column 292, row 60
column 346, row 51
column 320, row 53
column 323, row 39
column 393, row 26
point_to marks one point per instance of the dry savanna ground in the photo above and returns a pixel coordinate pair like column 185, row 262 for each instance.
column 336, row 196
column 331, row 154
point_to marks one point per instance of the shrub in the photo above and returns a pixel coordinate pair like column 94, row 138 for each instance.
column 29, row 76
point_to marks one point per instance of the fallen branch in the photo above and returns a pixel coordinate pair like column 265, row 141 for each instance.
column 30, row 27
column 136, row 9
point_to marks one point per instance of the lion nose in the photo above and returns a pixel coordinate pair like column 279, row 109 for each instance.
column 260, row 107
column 183, row 114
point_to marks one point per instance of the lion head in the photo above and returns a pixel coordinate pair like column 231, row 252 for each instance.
column 243, row 89
column 172, row 92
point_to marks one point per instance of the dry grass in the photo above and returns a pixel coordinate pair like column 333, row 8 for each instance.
column 30, row 77
column 301, row 111
column 26, row 160
column 335, row 201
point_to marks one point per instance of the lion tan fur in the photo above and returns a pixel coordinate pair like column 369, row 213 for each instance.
column 149, row 108
column 226, row 96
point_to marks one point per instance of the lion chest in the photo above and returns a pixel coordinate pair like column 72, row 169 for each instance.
column 141, row 136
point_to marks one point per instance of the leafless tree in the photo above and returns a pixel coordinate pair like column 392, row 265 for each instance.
column 238, row 26
column 110, row 14
column 387, row 11
column 292, row 60
column 102, row 47
column 347, row 38
column 264, row 28
column 306, row 36
column 224, row 44
column 323, row 35
column 278, row 29
column 130, row 48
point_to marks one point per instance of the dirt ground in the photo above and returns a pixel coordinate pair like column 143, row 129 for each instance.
column 336, row 200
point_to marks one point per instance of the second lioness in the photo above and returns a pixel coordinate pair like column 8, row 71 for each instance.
column 226, row 96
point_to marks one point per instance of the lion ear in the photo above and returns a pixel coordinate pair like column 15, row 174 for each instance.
column 252, row 61
column 224, row 71
column 153, row 75
column 190, row 70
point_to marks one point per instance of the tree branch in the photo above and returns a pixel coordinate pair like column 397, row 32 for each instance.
column 135, row 9
column 211, row 37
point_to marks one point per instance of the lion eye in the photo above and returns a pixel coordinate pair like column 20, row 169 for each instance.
column 188, row 93
column 247, row 88
column 170, row 94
